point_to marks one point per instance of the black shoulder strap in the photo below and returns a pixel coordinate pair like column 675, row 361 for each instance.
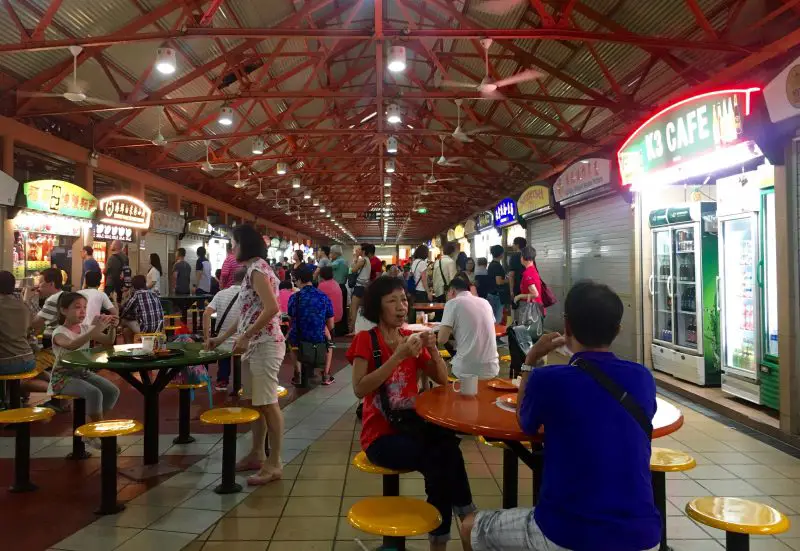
column 228, row 309
column 378, row 358
column 619, row 394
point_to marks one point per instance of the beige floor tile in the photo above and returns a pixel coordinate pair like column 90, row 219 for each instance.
column 487, row 487
column 351, row 545
column 306, row 528
column 212, row 501
column 523, row 472
column 793, row 543
column 477, row 470
column 337, row 436
column 695, row 545
column 767, row 544
column 786, row 504
column 327, row 458
column 774, row 458
column 278, row 488
column 706, row 444
column 344, row 424
column 346, row 531
column 753, row 471
column 312, row 488
column 134, row 516
column 365, row 487
column 411, row 486
column 727, row 488
column 685, row 488
column 190, row 480
column 191, row 521
column 729, row 458
column 257, row 506
column 236, row 546
column 242, row 528
column 794, row 528
column 205, row 535
column 164, row 496
column 322, row 472
column 147, row 540
column 473, row 456
column 709, row 472
column 790, row 471
column 301, row 546
column 684, row 528
column 330, row 446
column 312, row 507
column 298, row 460
column 194, row 546
column 488, row 502
column 776, row 486
column 97, row 538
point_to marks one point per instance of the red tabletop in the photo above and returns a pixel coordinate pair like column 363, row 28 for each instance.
column 479, row 415
column 429, row 306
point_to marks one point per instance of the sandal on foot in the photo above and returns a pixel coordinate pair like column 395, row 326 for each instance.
column 259, row 480
column 250, row 465
column 326, row 380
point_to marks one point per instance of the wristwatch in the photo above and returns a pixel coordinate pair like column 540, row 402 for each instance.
column 525, row 368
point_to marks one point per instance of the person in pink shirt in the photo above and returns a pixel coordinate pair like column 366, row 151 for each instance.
column 285, row 291
column 531, row 285
column 229, row 267
column 329, row 286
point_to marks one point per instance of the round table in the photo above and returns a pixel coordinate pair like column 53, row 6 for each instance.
column 164, row 370
column 480, row 416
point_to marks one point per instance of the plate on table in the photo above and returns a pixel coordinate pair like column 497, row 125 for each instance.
column 139, row 355
column 507, row 402
column 506, row 385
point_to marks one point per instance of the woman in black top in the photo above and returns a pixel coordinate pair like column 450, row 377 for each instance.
column 497, row 285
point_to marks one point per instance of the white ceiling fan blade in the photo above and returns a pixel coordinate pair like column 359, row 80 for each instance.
column 462, row 137
column 493, row 95
column 458, row 84
column 100, row 101
column 26, row 94
column 522, row 76
column 478, row 130
column 439, row 180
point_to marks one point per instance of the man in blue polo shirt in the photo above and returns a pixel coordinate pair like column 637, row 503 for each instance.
column 596, row 493
column 311, row 314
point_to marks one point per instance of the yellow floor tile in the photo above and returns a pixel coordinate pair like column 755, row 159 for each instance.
column 278, row 488
column 306, row 528
column 312, row 488
column 322, row 472
column 257, row 506
column 236, row 528
column 301, row 546
column 312, row 507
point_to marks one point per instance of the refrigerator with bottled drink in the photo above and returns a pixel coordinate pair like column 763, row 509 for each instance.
column 769, row 369
column 683, row 292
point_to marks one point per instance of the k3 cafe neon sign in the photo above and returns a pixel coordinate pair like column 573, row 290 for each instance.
column 686, row 130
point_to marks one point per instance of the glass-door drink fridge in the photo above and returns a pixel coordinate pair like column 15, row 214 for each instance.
column 683, row 292
column 749, row 302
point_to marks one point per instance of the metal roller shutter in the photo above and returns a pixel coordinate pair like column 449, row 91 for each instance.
column 546, row 235
column 601, row 249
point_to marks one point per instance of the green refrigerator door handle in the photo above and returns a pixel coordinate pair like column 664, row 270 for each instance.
column 760, row 274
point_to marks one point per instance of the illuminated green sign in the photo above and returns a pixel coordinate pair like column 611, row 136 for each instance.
column 57, row 197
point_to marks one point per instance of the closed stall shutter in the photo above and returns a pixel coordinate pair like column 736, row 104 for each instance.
column 546, row 236
column 601, row 249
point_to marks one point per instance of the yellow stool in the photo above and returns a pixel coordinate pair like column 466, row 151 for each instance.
column 511, row 471
column 663, row 461
column 445, row 354
column 738, row 517
column 23, row 417
column 391, row 477
column 78, row 419
column 505, row 358
column 184, row 410
column 394, row 517
column 14, row 381
column 107, row 432
column 229, row 418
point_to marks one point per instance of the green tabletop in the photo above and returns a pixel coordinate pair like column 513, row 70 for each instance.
column 97, row 358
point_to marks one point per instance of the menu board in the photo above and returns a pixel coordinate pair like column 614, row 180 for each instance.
column 582, row 177
column 57, row 197
column 484, row 220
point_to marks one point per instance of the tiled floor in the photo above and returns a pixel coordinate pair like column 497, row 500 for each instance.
column 306, row 511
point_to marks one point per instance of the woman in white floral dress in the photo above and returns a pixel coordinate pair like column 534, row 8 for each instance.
column 260, row 341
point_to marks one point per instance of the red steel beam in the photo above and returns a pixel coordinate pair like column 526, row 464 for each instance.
column 545, row 17
column 47, row 18
column 208, row 16
column 24, row 34
column 701, row 19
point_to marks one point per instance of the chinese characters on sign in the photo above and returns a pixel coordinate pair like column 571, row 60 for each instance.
column 107, row 231
column 581, row 177
column 125, row 211
column 535, row 199
column 484, row 220
column 57, row 197
column 505, row 213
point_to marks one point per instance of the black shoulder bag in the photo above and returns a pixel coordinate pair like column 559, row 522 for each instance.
column 221, row 320
column 404, row 421
column 619, row 394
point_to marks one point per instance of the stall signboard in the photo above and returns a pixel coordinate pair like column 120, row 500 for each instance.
column 167, row 222
column 111, row 232
column 451, row 234
column 57, row 197
column 675, row 142
column 470, row 227
column 534, row 200
column 505, row 213
column 458, row 232
column 484, row 220
column 585, row 176
column 199, row 227
column 126, row 211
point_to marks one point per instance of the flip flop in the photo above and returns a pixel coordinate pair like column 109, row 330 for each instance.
column 253, row 465
column 256, row 480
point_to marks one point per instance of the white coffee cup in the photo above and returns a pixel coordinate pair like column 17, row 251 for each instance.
column 466, row 385
column 148, row 343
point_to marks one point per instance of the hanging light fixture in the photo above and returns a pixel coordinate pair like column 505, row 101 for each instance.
column 393, row 114
column 258, row 146
column 391, row 144
column 387, row 182
column 225, row 116
column 296, row 182
column 316, row 202
column 307, row 195
column 390, row 166
column 397, row 59
column 322, row 209
column 166, row 61
column 282, row 168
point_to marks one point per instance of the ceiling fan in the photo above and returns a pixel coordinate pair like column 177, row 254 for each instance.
column 207, row 166
column 460, row 134
column 488, row 87
column 75, row 88
column 443, row 160
column 260, row 196
column 159, row 140
column 239, row 183
column 431, row 179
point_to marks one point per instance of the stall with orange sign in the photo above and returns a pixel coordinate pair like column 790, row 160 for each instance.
column 53, row 215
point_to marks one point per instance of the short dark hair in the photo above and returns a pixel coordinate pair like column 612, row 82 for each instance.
column 181, row 251
column 285, row 284
column 326, row 272
column 421, row 252
column 251, row 244
column 304, row 275
column 375, row 292
column 139, row 282
column 449, row 248
column 88, row 250
column 520, row 242
column 326, row 250
column 7, row 283
column 53, row 275
column 594, row 313
column 93, row 279
column 65, row 300
column 201, row 252
column 238, row 275
column 460, row 282
column 528, row 253
column 482, row 261
column 496, row 250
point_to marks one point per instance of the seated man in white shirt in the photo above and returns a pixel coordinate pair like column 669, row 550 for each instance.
column 97, row 301
column 470, row 320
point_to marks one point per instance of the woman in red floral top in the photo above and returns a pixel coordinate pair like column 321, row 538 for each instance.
column 436, row 455
column 260, row 341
